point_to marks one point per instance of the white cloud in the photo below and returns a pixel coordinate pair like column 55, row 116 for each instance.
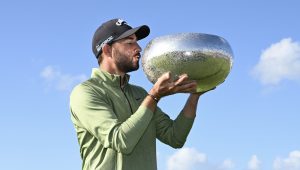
column 278, row 62
column 186, row 159
column 227, row 164
column 254, row 163
column 60, row 81
column 191, row 159
column 292, row 162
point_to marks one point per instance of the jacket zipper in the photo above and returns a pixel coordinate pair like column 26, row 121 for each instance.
column 122, row 89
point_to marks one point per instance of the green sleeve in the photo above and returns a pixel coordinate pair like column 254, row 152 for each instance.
column 92, row 112
column 172, row 132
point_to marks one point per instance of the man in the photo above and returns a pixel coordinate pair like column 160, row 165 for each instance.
column 117, row 123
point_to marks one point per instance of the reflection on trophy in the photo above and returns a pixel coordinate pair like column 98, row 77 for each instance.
column 203, row 57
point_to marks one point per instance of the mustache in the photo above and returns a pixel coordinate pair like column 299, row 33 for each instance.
column 138, row 54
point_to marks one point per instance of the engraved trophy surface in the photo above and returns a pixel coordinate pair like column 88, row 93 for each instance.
column 205, row 58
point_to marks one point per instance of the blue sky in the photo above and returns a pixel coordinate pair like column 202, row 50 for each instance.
column 249, row 122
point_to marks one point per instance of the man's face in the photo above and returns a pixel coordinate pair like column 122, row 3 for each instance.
column 126, row 53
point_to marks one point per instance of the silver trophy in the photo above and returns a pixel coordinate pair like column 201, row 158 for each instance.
column 205, row 58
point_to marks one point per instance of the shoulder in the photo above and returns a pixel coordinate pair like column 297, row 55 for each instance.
column 83, row 87
column 87, row 91
column 88, row 86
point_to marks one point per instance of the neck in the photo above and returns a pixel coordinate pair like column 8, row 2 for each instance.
column 109, row 66
column 111, row 70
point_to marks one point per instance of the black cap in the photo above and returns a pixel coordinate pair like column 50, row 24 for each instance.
column 114, row 30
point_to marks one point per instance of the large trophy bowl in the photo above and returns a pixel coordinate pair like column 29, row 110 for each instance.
column 203, row 57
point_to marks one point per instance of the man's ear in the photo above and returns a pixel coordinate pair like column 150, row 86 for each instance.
column 106, row 50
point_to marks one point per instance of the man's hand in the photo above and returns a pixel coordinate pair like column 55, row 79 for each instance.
column 165, row 85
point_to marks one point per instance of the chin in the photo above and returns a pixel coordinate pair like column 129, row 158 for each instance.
column 133, row 68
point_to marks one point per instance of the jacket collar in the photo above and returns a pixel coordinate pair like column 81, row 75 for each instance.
column 111, row 79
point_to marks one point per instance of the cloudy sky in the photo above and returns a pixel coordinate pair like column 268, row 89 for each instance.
column 250, row 122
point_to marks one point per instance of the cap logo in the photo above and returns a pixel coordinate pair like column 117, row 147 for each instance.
column 120, row 22
column 99, row 47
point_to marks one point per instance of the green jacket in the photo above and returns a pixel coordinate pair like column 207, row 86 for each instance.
column 116, row 133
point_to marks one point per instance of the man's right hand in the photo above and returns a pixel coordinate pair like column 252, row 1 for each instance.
column 166, row 85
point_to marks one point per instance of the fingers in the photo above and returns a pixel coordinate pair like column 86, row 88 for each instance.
column 165, row 77
column 166, row 85
column 186, row 87
column 181, row 80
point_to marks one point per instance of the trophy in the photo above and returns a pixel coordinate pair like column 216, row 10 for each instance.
column 205, row 58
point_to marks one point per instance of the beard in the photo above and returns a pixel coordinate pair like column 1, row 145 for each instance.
column 125, row 61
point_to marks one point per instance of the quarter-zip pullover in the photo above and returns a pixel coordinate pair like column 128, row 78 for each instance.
column 114, row 131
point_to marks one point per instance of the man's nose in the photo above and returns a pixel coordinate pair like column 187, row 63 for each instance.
column 138, row 49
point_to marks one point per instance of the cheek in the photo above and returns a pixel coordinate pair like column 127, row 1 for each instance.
column 129, row 53
column 124, row 54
